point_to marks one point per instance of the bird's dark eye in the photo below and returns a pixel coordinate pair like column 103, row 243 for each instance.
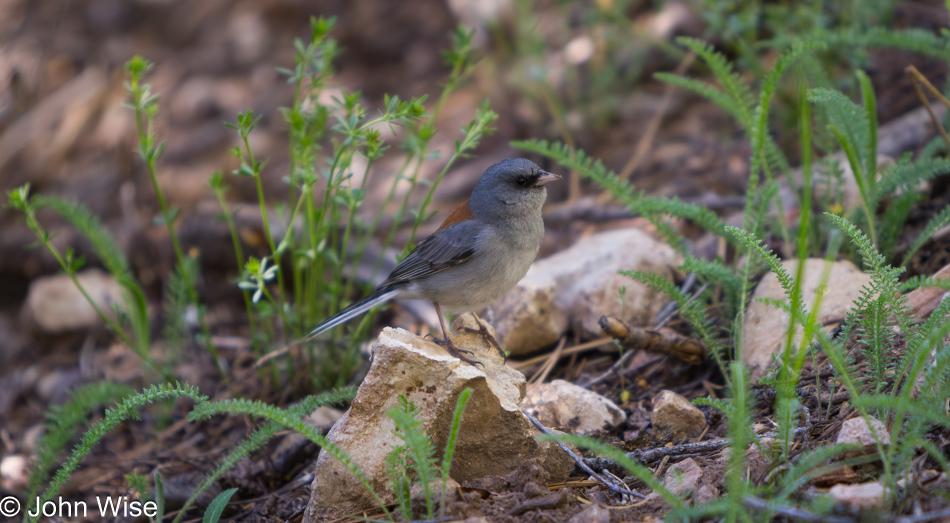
column 521, row 181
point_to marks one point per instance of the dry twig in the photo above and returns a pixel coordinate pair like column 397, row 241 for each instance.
column 545, row 369
column 529, row 363
column 662, row 341
column 581, row 461
column 918, row 79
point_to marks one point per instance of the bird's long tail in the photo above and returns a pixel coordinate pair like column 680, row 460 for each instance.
column 378, row 297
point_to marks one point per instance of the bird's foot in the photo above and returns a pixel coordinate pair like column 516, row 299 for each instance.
column 446, row 343
column 488, row 337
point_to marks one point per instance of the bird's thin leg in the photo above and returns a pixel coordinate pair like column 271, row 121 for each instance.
column 489, row 338
column 445, row 331
column 446, row 342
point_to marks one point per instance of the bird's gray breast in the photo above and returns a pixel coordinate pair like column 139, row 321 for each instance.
column 503, row 254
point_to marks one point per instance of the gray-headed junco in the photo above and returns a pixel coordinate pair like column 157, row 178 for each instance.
column 479, row 253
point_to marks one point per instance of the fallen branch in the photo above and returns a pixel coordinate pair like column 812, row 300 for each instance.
column 917, row 79
column 646, row 456
column 580, row 461
column 662, row 341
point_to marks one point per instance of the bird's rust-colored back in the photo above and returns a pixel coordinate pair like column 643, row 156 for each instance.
column 462, row 213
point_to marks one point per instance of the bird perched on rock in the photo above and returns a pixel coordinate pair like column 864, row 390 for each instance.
column 480, row 252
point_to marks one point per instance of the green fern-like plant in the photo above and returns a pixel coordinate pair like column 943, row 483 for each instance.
column 917, row 40
column 926, row 340
column 906, row 175
column 114, row 260
column 400, row 481
column 135, row 308
column 176, row 303
column 936, row 222
column 415, row 460
column 855, row 128
column 450, row 443
column 767, row 159
column 418, row 449
column 814, row 462
column 737, row 483
column 144, row 105
column 792, row 356
column 653, row 208
column 917, row 400
column 128, row 408
column 802, row 328
column 735, row 97
column 716, row 272
column 260, row 437
column 291, row 420
column 893, row 189
column 788, row 283
column 880, row 306
column 879, row 301
column 62, row 423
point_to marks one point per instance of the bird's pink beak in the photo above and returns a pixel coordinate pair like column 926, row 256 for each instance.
column 546, row 177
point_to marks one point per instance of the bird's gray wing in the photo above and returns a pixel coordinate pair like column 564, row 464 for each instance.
column 445, row 248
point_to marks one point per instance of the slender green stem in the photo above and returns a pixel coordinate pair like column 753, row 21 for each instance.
column 341, row 161
column 149, row 153
column 144, row 108
column 870, row 109
column 70, row 271
column 382, row 210
column 354, row 205
column 239, row 258
column 860, row 177
column 256, row 174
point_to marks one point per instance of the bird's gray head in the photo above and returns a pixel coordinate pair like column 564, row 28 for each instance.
column 510, row 188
